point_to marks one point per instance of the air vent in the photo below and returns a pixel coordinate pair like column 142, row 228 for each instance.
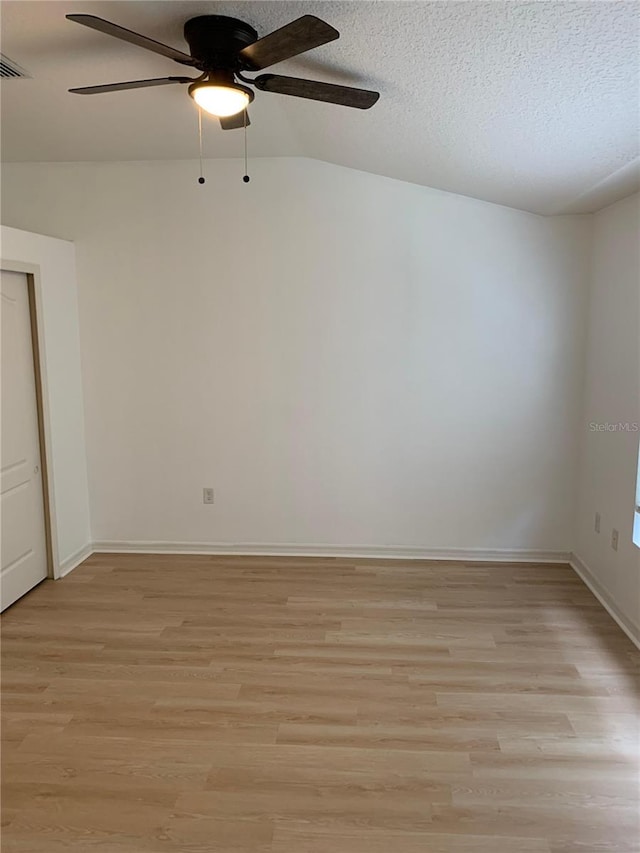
column 8, row 68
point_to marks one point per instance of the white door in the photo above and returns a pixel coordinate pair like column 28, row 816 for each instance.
column 23, row 552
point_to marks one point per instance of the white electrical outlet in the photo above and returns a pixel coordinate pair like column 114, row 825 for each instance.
column 207, row 496
column 596, row 526
column 614, row 539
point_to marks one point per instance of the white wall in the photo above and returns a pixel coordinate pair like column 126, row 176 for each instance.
column 58, row 321
column 347, row 359
column 608, row 461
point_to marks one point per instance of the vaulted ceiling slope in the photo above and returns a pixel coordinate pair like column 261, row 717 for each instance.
column 528, row 104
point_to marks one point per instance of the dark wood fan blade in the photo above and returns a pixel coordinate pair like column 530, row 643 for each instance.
column 361, row 99
column 110, row 29
column 294, row 38
column 131, row 84
column 235, row 122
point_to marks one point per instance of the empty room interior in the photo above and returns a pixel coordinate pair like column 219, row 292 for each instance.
column 320, row 415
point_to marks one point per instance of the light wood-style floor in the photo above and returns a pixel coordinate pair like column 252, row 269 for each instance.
column 161, row 704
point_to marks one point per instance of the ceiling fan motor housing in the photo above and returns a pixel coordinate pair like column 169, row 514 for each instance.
column 216, row 40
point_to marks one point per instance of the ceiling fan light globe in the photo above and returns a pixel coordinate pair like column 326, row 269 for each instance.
column 220, row 101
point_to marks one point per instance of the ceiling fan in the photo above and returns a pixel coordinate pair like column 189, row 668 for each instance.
column 223, row 49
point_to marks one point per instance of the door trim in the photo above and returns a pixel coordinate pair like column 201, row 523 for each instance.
column 34, row 288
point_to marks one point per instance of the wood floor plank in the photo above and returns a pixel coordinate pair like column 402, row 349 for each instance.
column 297, row 836
column 166, row 704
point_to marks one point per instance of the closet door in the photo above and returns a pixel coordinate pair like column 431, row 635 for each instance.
column 23, row 551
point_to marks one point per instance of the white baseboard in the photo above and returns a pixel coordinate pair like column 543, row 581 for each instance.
column 374, row 552
column 605, row 598
column 74, row 560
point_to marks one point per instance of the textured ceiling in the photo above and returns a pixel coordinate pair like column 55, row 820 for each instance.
column 532, row 105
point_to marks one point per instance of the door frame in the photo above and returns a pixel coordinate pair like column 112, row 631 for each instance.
column 34, row 289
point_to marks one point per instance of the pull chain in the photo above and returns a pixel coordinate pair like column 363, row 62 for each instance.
column 201, row 178
column 246, row 177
